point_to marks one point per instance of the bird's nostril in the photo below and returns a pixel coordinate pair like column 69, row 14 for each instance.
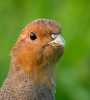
column 53, row 36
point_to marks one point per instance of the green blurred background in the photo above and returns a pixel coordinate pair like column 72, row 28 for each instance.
column 73, row 70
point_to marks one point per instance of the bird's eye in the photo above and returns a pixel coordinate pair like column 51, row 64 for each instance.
column 33, row 36
column 53, row 36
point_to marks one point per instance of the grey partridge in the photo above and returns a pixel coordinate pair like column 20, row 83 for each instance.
column 33, row 60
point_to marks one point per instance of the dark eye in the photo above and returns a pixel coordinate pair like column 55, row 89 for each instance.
column 33, row 36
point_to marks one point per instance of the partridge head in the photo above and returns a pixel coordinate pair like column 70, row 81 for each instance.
column 33, row 60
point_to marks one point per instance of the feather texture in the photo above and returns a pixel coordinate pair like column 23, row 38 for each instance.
column 33, row 60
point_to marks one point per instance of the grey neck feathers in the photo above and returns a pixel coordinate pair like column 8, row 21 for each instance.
column 19, row 86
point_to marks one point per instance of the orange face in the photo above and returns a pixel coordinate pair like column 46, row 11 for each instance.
column 36, row 50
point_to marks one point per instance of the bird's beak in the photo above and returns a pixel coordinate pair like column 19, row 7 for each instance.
column 59, row 40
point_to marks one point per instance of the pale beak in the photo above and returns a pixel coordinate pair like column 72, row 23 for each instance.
column 59, row 40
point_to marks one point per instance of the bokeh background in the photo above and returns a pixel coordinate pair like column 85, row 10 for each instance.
column 73, row 70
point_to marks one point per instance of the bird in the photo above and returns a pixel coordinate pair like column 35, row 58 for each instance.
column 33, row 59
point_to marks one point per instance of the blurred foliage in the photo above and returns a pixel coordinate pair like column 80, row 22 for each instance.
column 73, row 70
